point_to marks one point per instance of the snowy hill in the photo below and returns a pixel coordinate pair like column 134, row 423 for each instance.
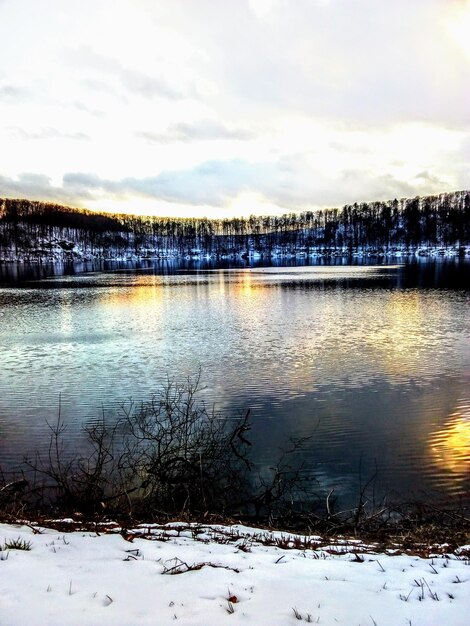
column 40, row 232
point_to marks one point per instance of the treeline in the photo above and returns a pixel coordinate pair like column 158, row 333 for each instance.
column 35, row 229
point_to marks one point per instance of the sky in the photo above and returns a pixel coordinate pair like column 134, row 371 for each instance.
column 220, row 108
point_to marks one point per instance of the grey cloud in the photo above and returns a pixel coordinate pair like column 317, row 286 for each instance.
column 365, row 186
column 211, row 183
column 152, row 137
column 47, row 133
column 82, row 181
column 103, row 84
column 38, row 187
column 133, row 81
column 207, row 129
column 347, row 186
column 204, row 130
column 25, row 185
column 148, row 86
column 11, row 93
column 429, row 178
column 214, row 183
column 81, row 106
column 364, row 62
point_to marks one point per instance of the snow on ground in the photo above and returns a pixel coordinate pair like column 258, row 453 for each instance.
column 221, row 575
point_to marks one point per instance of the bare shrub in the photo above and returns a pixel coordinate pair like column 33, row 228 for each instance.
column 179, row 456
column 171, row 455
column 73, row 482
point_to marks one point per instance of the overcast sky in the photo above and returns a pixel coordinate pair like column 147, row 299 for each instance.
column 230, row 107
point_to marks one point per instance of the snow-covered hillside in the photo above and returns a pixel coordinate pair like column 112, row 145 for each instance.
column 432, row 225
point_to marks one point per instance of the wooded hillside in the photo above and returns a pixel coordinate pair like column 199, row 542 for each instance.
column 34, row 230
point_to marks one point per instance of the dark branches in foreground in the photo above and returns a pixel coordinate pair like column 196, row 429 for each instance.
column 169, row 456
column 184, row 456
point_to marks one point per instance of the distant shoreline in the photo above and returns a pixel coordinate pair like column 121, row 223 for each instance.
column 74, row 254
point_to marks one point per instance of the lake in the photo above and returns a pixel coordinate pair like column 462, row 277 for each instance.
column 371, row 361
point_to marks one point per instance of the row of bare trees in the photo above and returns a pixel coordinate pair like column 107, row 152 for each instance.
column 442, row 220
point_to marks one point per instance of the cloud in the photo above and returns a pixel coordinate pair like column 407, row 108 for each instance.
column 285, row 185
column 289, row 187
column 132, row 81
column 203, row 130
column 430, row 178
column 211, row 183
column 46, row 133
column 361, row 62
column 302, row 104
column 38, row 187
column 81, row 106
column 11, row 93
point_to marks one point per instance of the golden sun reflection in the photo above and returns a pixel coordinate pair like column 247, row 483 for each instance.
column 405, row 316
column 245, row 287
column 450, row 446
column 399, row 333
column 146, row 292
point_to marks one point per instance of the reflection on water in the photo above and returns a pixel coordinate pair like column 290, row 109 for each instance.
column 450, row 445
column 403, row 331
column 371, row 360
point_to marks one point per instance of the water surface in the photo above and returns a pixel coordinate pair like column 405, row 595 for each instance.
column 372, row 361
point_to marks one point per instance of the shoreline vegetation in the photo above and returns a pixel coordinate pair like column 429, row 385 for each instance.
column 172, row 459
column 430, row 226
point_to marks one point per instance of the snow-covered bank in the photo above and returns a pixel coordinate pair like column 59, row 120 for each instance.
column 67, row 252
column 221, row 575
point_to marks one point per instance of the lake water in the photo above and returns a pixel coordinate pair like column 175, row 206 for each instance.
column 373, row 361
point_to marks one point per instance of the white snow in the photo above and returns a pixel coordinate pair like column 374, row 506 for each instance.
column 215, row 575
